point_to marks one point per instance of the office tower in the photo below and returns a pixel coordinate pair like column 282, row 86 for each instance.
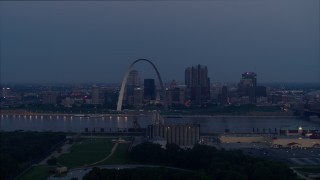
column 173, row 84
column 138, row 96
column 198, row 84
column 5, row 92
column 149, row 89
column 175, row 96
column 67, row 102
column 133, row 79
column 224, row 96
column 188, row 76
column 132, row 82
column 110, row 97
column 251, row 76
column 95, row 93
column 247, row 86
column 50, row 97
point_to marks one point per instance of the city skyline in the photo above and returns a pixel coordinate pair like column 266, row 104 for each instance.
column 94, row 42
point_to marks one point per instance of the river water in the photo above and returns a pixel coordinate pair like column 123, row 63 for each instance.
column 114, row 123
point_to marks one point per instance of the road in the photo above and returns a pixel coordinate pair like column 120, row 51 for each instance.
column 299, row 174
column 80, row 172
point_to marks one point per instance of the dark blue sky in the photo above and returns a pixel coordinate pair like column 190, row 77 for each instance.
column 82, row 41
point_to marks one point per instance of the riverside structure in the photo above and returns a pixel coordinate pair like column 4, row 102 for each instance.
column 185, row 135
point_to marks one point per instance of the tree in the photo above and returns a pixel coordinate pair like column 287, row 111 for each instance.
column 263, row 173
column 147, row 152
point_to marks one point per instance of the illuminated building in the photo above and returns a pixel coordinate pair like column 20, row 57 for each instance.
column 247, row 86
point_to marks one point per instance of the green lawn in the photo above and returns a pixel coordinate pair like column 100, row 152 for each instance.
column 120, row 156
column 37, row 172
column 86, row 151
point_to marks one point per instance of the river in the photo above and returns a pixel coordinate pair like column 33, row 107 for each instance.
column 114, row 123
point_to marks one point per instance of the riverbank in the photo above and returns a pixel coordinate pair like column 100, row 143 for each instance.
column 7, row 113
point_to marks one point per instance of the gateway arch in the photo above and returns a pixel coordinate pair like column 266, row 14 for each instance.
column 125, row 78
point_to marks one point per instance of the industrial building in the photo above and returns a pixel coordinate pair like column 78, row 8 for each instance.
column 242, row 138
column 297, row 131
column 185, row 135
column 295, row 142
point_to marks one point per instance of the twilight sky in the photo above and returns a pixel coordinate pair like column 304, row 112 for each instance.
column 82, row 41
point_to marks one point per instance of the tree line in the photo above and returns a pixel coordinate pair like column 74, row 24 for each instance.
column 154, row 173
column 19, row 150
column 217, row 164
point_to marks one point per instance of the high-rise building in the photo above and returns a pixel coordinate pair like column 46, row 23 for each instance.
column 95, row 93
column 175, row 96
column 133, row 79
column 198, row 84
column 67, row 102
column 50, row 97
column 149, row 89
column 224, row 96
column 248, row 85
column 5, row 92
column 252, row 76
column 110, row 97
column 138, row 96
column 132, row 82
column 188, row 76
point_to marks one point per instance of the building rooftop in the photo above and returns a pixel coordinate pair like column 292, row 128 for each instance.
column 241, row 135
column 298, row 128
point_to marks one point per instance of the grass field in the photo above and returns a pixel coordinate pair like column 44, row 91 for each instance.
column 120, row 156
column 37, row 172
column 86, row 151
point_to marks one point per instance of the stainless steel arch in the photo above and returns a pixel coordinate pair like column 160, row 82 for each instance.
column 124, row 82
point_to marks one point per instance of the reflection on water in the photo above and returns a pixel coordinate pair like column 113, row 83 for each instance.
column 67, row 123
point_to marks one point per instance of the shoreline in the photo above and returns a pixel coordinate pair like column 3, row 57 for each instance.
column 142, row 115
column 7, row 113
column 229, row 116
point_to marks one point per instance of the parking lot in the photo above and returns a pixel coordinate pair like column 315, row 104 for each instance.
column 293, row 157
column 305, row 161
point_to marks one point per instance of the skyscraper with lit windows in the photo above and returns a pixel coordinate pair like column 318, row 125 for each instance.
column 132, row 83
column 198, row 84
column 248, row 85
